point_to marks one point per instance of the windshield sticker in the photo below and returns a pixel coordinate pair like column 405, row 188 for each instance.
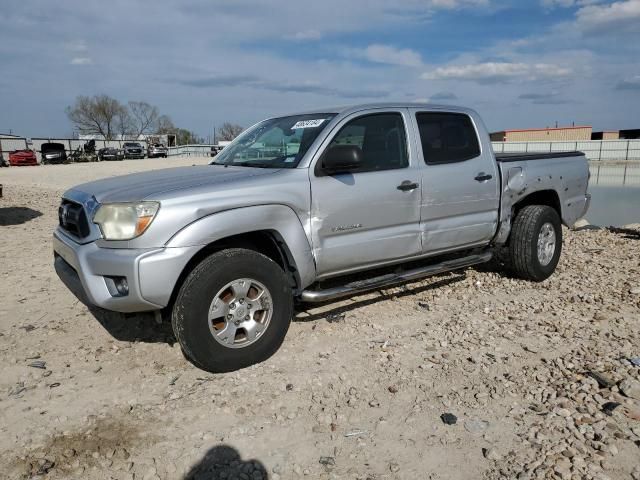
column 290, row 159
column 308, row 123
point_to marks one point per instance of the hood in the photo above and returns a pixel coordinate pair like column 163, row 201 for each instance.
column 147, row 185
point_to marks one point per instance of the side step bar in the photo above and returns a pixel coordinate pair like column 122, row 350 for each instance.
column 353, row 288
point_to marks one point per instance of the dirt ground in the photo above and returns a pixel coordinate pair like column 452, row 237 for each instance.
column 543, row 379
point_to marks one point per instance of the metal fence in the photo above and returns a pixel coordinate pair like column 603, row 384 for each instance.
column 594, row 150
column 200, row 150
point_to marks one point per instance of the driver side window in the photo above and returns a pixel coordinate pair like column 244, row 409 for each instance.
column 382, row 139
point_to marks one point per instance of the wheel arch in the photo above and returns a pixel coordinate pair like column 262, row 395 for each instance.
column 549, row 198
column 272, row 230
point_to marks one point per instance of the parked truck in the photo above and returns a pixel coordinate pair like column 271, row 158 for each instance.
column 371, row 196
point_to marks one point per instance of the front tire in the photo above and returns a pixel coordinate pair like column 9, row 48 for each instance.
column 233, row 310
column 535, row 243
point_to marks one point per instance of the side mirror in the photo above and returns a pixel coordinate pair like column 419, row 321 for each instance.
column 342, row 159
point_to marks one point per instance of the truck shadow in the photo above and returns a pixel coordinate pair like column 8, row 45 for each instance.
column 134, row 327
column 303, row 314
column 223, row 461
column 17, row 215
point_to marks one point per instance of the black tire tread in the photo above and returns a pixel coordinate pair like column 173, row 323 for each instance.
column 522, row 255
column 178, row 314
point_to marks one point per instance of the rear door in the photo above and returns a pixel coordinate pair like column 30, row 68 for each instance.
column 460, row 183
column 370, row 216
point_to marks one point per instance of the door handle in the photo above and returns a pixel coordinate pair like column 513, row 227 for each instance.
column 483, row 177
column 407, row 186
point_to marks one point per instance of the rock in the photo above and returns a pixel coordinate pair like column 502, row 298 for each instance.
column 630, row 388
column 448, row 418
column 603, row 380
column 609, row 407
column 563, row 412
column 634, row 291
column 394, row 467
column 476, row 426
column 582, row 223
column 336, row 317
column 327, row 461
column 491, row 454
column 563, row 468
column 393, row 389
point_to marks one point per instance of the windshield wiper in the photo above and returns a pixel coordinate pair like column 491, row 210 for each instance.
column 251, row 164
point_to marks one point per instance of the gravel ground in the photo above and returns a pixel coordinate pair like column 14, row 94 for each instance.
column 466, row 375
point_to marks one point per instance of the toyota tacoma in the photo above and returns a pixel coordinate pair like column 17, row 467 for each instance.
column 312, row 207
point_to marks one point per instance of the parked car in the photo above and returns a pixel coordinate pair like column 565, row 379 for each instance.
column 157, row 150
column 20, row 158
column 53, row 152
column 133, row 150
column 215, row 150
column 84, row 153
column 389, row 193
column 110, row 153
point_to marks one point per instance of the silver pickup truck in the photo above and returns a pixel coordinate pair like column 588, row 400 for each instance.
column 312, row 207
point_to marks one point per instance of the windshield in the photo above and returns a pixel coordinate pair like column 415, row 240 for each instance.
column 131, row 144
column 275, row 143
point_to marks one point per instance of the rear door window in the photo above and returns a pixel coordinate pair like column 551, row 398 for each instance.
column 447, row 137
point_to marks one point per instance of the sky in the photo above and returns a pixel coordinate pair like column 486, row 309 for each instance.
column 520, row 64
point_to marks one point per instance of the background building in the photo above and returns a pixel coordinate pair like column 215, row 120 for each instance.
column 610, row 135
column 544, row 134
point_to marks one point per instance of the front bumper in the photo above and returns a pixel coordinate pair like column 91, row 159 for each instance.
column 151, row 273
column 133, row 155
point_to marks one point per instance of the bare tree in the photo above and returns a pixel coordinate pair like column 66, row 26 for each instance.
column 165, row 125
column 97, row 115
column 125, row 125
column 144, row 117
column 229, row 131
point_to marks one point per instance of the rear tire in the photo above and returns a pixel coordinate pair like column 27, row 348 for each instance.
column 211, row 303
column 535, row 243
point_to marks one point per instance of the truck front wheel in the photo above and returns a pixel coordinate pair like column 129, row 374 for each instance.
column 535, row 243
column 233, row 310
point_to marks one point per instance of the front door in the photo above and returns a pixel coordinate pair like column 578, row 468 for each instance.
column 371, row 215
column 460, row 184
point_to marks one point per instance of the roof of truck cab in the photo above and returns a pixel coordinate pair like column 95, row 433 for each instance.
column 348, row 109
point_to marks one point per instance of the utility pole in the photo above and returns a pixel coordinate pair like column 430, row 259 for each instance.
column 214, row 135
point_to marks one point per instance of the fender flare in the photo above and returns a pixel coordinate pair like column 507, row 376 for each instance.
column 279, row 219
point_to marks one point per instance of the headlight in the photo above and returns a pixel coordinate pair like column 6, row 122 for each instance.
column 124, row 221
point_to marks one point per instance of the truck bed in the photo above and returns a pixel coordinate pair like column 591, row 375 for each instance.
column 521, row 157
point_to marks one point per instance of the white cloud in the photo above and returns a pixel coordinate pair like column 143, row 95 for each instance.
column 390, row 55
column 81, row 61
column 491, row 72
column 631, row 83
column 611, row 17
column 305, row 35
column 76, row 46
column 568, row 3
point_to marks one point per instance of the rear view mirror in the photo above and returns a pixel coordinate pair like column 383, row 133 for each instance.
column 342, row 159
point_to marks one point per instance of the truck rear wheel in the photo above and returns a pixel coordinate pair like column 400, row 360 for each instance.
column 535, row 243
column 233, row 310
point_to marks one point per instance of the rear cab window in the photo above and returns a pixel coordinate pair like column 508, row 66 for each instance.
column 447, row 137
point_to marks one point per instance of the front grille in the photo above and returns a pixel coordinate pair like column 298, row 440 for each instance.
column 73, row 219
